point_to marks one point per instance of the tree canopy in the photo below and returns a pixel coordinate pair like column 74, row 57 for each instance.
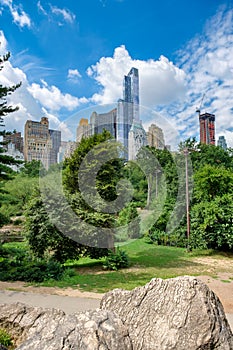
column 5, row 109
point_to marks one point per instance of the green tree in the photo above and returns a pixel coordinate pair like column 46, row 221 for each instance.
column 5, row 109
column 96, row 160
column 129, row 218
column 137, row 178
column 33, row 168
column 17, row 193
column 60, row 219
column 5, row 160
column 43, row 236
column 212, row 224
column 212, row 181
column 202, row 154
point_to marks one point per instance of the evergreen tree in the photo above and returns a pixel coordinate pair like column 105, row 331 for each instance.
column 5, row 109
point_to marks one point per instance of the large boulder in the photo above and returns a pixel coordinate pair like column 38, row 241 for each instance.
column 175, row 314
column 44, row 329
column 179, row 313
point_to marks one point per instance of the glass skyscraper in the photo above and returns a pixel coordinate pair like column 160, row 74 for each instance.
column 128, row 108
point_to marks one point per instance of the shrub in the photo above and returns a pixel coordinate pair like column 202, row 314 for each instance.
column 37, row 270
column 116, row 260
column 5, row 338
column 176, row 239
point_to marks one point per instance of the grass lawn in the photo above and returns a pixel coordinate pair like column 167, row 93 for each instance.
column 146, row 262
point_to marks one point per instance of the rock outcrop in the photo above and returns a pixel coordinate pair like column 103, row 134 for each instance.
column 44, row 329
column 176, row 314
column 180, row 313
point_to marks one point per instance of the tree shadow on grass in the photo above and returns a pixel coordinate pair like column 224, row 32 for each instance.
column 162, row 257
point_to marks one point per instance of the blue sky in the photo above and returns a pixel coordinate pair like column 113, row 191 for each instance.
column 70, row 55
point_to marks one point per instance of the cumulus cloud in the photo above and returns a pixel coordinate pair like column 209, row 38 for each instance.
column 208, row 63
column 74, row 75
column 52, row 98
column 161, row 81
column 20, row 17
column 34, row 100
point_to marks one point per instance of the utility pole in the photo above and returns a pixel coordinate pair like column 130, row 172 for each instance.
column 186, row 152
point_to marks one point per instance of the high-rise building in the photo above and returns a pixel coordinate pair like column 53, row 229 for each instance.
column 14, row 138
column 131, row 93
column 207, row 128
column 155, row 137
column 128, row 109
column 122, row 122
column 41, row 143
column 83, row 130
column 98, row 123
column 222, row 142
column 104, row 121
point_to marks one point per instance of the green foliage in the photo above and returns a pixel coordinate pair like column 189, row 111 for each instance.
column 101, row 187
column 5, row 109
column 212, row 181
column 33, row 168
column 176, row 239
column 5, row 338
column 212, row 224
column 116, row 260
column 18, row 264
column 36, row 270
column 18, row 191
column 4, row 219
column 128, row 216
column 43, row 235
column 138, row 180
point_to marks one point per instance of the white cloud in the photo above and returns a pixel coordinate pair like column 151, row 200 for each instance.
column 208, row 63
column 41, row 9
column 3, row 43
column 52, row 98
column 34, row 100
column 66, row 14
column 74, row 75
column 160, row 81
column 20, row 17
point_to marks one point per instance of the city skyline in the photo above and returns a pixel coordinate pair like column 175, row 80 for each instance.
column 182, row 50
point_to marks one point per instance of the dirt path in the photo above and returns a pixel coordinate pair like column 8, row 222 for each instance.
column 222, row 286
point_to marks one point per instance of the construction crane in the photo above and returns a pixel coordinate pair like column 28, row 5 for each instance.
column 198, row 110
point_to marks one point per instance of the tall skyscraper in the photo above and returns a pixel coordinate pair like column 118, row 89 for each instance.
column 122, row 122
column 222, row 142
column 41, row 143
column 207, row 128
column 128, row 113
column 131, row 94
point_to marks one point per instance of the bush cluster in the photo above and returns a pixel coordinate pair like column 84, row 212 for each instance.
column 22, row 267
column 116, row 260
column 175, row 239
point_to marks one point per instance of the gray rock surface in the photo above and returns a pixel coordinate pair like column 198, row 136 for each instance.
column 175, row 314
column 43, row 329
column 180, row 313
